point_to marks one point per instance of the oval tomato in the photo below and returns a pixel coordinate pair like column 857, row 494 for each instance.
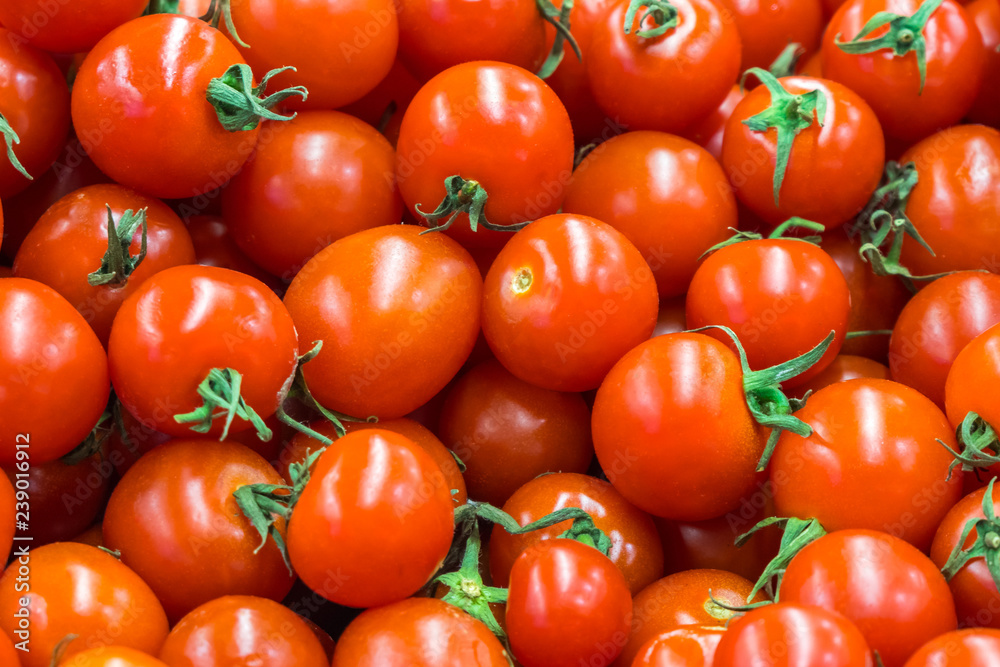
column 961, row 648
column 692, row 646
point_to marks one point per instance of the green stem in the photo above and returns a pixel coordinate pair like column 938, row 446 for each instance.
column 240, row 106
column 220, row 10
column 467, row 591
column 220, row 393
column 797, row 533
column 558, row 19
column 786, row 62
column 467, row 197
column 118, row 263
column 872, row 332
column 10, row 138
column 985, row 546
column 778, row 233
column 664, row 15
column 980, row 447
column 163, row 7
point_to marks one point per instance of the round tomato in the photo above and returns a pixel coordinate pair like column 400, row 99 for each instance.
column 689, row 646
column 708, row 132
column 961, row 648
column 844, row 367
column 986, row 15
column 66, row 27
column 214, row 246
column 973, row 378
column 111, row 656
column 766, row 28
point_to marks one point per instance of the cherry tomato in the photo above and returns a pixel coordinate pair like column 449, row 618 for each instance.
column 709, row 131
column 53, row 374
column 78, row 589
column 201, row 546
column 242, row 631
column 567, row 605
column 866, row 431
column 640, row 177
column 214, row 246
column 845, row 367
column 689, row 646
column 961, row 648
column 324, row 175
column 66, row 27
column 767, row 28
column 398, row 314
column 973, row 376
column 986, row 15
column 111, row 656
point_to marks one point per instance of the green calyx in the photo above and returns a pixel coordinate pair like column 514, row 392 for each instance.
column 905, row 34
column 979, row 443
column 787, row 60
column 118, row 263
column 467, row 591
column 985, row 546
column 663, row 14
column 778, row 233
column 797, row 533
column 219, row 10
column 239, row 105
column 10, row 138
column 220, row 393
column 788, row 114
column 163, row 7
column 467, row 197
column 95, row 440
column 558, row 19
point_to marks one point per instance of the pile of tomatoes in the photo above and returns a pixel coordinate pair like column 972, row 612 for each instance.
column 448, row 333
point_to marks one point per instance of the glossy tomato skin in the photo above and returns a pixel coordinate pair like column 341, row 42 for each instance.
column 565, row 299
column 8, row 653
column 664, row 83
column 81, row 590
column 51, row 363
column 80, row 221
column 955, row 205
column 668, row 196
column 202, row 546
column 792, row 635
column 832, row 170
column 35, row 101
column 986, row 15
column 894, row 594
column 962, row 648
column 486, row 104
column 688, row 646
column 68, row 27
column 973, row 378
column 709, row 131
column 398, row 314
column 635, row 547
column 374, row 522
column 323, row 176
column 139, row 100
column 864, row 432
column 936, row 324
column 214, row 246
column 845, row 367
column 242, row 631
column 781, row 297
column 111, row 656
column 567, row 603
column 418, row 632
column 891, row 84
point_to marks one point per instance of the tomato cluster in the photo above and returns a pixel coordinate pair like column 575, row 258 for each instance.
column 454, row 333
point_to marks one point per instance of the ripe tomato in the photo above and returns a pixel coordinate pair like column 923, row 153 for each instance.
column 866, row 431
column 708, row 132
column 974, row 376
column 767, row 28
column 214, row 246
column 8, row 653
column 664, row 193
column 635, row 546
column 961, row 648
column 845, row 367
column 910, row 103
column 78, row 589
column 567, row 605
column 374, row 522
column 782, row 297
column 34, row 101
column 936, row 324
column 986, row 15
column 510, row 107
column 792, row 635
column 51, row 363
column 383, row 301
column 418, row 632
column 688, row 646
column 111, row 656
column 565, row 299
column 80, row 221
column 66, row 27
column 238, row 630
column 324, row 175
column 201, row 547
column 665, row 82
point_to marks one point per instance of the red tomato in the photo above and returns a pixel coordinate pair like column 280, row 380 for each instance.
column 908, row 105
column 936, row 324
column 961, row 648
column 692, row 646
column 418, row 632
column 446, row 127
column 666, row 82
column 844, row 367
column 565, row 299
column 111, row 656
column 324, row 175
column 242, row 631
column 214, row 246
column 708, row 132
column 864, row 432
column 66, row 27
column 986, row 15
column 640, row 177
column 767, row 28
column 78, row 589
column 201, row 546
column 974, row 378
column 51, row 365
column 567, row 605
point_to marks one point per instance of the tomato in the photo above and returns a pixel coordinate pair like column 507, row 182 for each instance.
column 8, row 654
column 666, row 82
column 385, row 105
column 507, row 432
column 635, row 546
column 936, row 324
column 640, row 177
column 565, row 299
column 509, row 108
column 383, row 301
column 689, row 646
column 567, row 605
column 201, row 546
column 866, row 431
column 909, row 104
column 986, row 15
column 792, row 635
column 974, row 373
column 34, row 100
column 81, row 590
column 766, row 28
column 324, row 175
column 418, row 632
column 67, row 27
column 8, row 508
column 708, row 132
column 242, row 631
column 955, row 205
column 80, row 221
column 214, row 246
column 782, row 297
column 845, row 367
column 374, row 522
column 51, row 363
column 671, row 318
column 961, row 648
column 111, row 656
